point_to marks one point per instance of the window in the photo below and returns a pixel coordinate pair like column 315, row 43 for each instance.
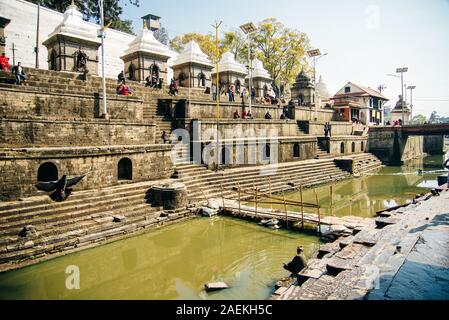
column 296, row 151
column 353, row 147
column 47, row 172
column 347, row 89
column 362, row 148
column 267, row 153
column 342, row 148
column 125, row 169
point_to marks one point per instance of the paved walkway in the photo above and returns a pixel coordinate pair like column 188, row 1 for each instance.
column 407, row 259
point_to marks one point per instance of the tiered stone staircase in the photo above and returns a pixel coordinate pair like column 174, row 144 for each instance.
column 87, row 218
column 203, row 184
column 365, row 163
column 321, row 153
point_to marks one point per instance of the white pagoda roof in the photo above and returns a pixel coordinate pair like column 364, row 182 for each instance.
column 74, row 26
column 259, row 71
column 321, row 87
column 228, row 63
column 146, row 42
column 192, row 54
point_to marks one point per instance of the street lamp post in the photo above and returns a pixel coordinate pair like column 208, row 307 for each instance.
column 411, row 88
column 104, row 111
column 402, row 71
column 316, row 55
column 249, row 28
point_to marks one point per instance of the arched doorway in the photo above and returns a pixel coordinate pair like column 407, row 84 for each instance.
column 267, row 152
column 342, row 148
column 238, row 85
column 225, row 157
column 47, row 172
column 201, row 80
column 125, row 169
column 53, row 64
column 362, row 148
column 132, row 72
column 296, row 150
column 182, row 79
column 265, row 91
column 154, row 72
column 353, row 147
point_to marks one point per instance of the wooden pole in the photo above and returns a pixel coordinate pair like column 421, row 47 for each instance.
column 319, row 214
column 286, row 212
column 331, row 205
column 240, row 205
column 271, row 193
column 302, row 206
column 255, row 190
column 222, row 197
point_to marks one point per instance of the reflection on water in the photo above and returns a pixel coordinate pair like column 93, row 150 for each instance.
column 365, row 196
column 175, row 262
column 171, row 263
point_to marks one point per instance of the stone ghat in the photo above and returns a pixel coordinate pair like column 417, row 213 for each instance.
column 87, row 219
column 369, row 264
column 36, row 229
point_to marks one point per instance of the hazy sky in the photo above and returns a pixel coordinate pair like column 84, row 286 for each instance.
column 365, row 40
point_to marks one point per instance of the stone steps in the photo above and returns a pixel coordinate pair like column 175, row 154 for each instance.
column 51, row 216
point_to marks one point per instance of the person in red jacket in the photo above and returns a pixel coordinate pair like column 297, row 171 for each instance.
column 4, row 63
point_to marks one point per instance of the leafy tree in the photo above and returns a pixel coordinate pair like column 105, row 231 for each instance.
column 91, row 11
column 206, row 43
column 434, row 118
column 162, row 36
column 282, row 50
column 235, row 42
column 419, row 119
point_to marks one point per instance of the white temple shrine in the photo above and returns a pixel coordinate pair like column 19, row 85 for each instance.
column 73, row 45
column 261, row 79
column 192, row 68
column 146, row 57
column 230, row 72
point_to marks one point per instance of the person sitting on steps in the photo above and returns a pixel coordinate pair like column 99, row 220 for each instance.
column 121, row 77
column 236, row 115
column 298, row 263
column 4, row 62
column 164, row 137
column 268, row 116
column 18, row 72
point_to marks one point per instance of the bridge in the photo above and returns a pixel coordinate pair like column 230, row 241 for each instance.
column 402, row 143
column 417, row 130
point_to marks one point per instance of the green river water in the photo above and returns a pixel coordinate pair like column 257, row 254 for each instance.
column 176, row 261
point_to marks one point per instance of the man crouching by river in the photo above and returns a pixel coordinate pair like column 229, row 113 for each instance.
column 298, row 263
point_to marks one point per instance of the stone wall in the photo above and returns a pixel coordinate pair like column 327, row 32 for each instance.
column 27, row 103
column 208, row 110
column 38, row 132
column 307, row 149
column 337, row 128
column 237, row 128
column 434, row 145
column 241, row 152
column 19, row 167
column 359, row 144
column 389, row 145
column 322, row 115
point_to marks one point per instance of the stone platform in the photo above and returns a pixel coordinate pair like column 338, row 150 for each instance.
column 405, row 257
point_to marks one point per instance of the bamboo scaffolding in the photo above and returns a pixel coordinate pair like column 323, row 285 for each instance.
column 289, row 202
column 319, row 214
